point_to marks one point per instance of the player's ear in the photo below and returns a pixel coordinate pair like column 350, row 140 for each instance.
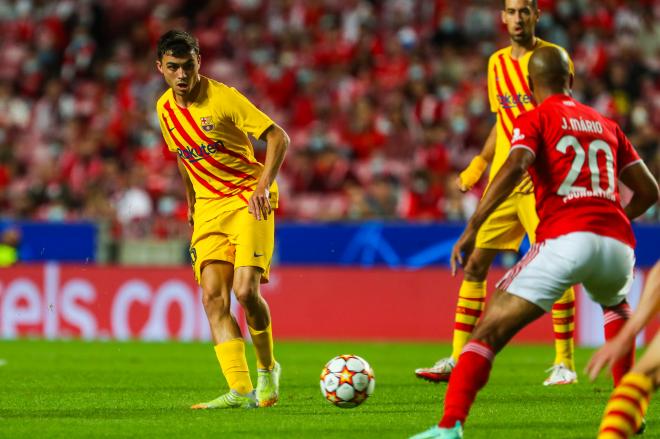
column 159, row 66
column 199, row 60
column 571, row 78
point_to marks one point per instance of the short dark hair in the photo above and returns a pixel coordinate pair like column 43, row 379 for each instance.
column 535, row 4
column 178, row 43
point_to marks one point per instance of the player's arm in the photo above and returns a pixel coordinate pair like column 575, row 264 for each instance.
column 472, row 174
column 277, row 142
column 648, row 306
column 645, row 189
column 500, row 188
column 190, row 190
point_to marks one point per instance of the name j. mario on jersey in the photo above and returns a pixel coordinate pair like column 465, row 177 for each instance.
column 512, row 101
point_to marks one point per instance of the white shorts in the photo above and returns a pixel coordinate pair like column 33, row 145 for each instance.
column 604, row 266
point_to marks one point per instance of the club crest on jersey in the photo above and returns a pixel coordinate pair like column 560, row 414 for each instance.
column 207, row 123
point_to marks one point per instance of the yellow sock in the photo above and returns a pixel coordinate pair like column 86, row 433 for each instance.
column 626, row 408
column 471, row 299
column 231, row 356
column 263, row 345
column 563, row 323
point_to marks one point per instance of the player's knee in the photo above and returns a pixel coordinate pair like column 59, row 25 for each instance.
column 247, row 293
column 476, row 269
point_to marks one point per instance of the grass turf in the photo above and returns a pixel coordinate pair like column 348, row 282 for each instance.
column 110, row 389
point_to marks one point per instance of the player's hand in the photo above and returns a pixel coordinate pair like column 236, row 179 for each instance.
column 461, row 186
column 259, row 203
column 471, row 175
column 607, row 355
column 462, row 249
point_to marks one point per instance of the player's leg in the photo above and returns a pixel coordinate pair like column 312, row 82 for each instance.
column 470, row 305
column 608, row 280
column 216, row 281
column 527, row 291
column 257, row 314
column 628, row 403
column 563, row 324
column 506, row 315
column 254, row 249
column 501, row 231
column 615, row 318
column 563, row 311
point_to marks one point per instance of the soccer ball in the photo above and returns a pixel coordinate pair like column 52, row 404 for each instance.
column 347, row 381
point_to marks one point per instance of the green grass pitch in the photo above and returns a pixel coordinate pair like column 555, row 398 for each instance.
column 111, row 389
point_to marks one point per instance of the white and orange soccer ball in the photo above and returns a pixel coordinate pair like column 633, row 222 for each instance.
column 347, row 381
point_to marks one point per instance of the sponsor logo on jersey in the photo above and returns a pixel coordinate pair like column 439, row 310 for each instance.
column 517, row 136
column 512, row 101
column 207, row 123
column 198, row 153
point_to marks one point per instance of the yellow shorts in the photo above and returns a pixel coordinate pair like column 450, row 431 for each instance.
column 233, row 236
column 506, row 227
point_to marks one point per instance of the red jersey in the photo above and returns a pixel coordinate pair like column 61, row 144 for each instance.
column 579, row 154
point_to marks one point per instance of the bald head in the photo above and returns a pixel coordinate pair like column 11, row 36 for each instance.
column 549, row 71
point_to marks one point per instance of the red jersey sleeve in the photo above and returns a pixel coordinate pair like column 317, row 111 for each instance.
column 625, row 153
column 526, row 132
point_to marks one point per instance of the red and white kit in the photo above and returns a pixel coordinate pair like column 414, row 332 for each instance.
column 583, row 235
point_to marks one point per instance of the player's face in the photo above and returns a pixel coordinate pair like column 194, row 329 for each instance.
column 520, row 18
column 182, row 74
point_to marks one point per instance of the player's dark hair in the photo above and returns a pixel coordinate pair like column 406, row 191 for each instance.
column 177, row 43
column 535, row 4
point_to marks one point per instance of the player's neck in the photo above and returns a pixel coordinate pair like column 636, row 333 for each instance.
column 189, row 98
column 518, row 49
column 545, row 93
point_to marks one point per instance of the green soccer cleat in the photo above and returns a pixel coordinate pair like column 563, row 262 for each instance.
column 268, row 386
column 436, row 432
column 642, row 427
column 230, row 400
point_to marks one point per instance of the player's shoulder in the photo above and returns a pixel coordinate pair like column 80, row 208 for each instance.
column 532, row 115
column 500, row 52
column 214, row 87
column 587, row 111
column 543, row 43
column 160, row 103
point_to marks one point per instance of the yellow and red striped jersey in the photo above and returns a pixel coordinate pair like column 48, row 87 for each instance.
column 211, row 139
column 509, row 96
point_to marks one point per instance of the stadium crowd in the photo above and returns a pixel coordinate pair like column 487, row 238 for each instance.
column 384, row 100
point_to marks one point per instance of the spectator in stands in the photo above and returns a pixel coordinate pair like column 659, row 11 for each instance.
column 368, row 88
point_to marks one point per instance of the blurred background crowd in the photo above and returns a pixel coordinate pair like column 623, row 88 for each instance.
column 385, row 101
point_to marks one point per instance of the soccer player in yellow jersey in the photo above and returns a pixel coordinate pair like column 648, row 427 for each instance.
column 231, row 198
column 509, row 96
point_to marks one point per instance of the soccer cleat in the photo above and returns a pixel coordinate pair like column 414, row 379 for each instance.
column 642, row 427
column 440, row 371
column 436, row 432
column 268, row 386
column 560, row 375
column 230, row 400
